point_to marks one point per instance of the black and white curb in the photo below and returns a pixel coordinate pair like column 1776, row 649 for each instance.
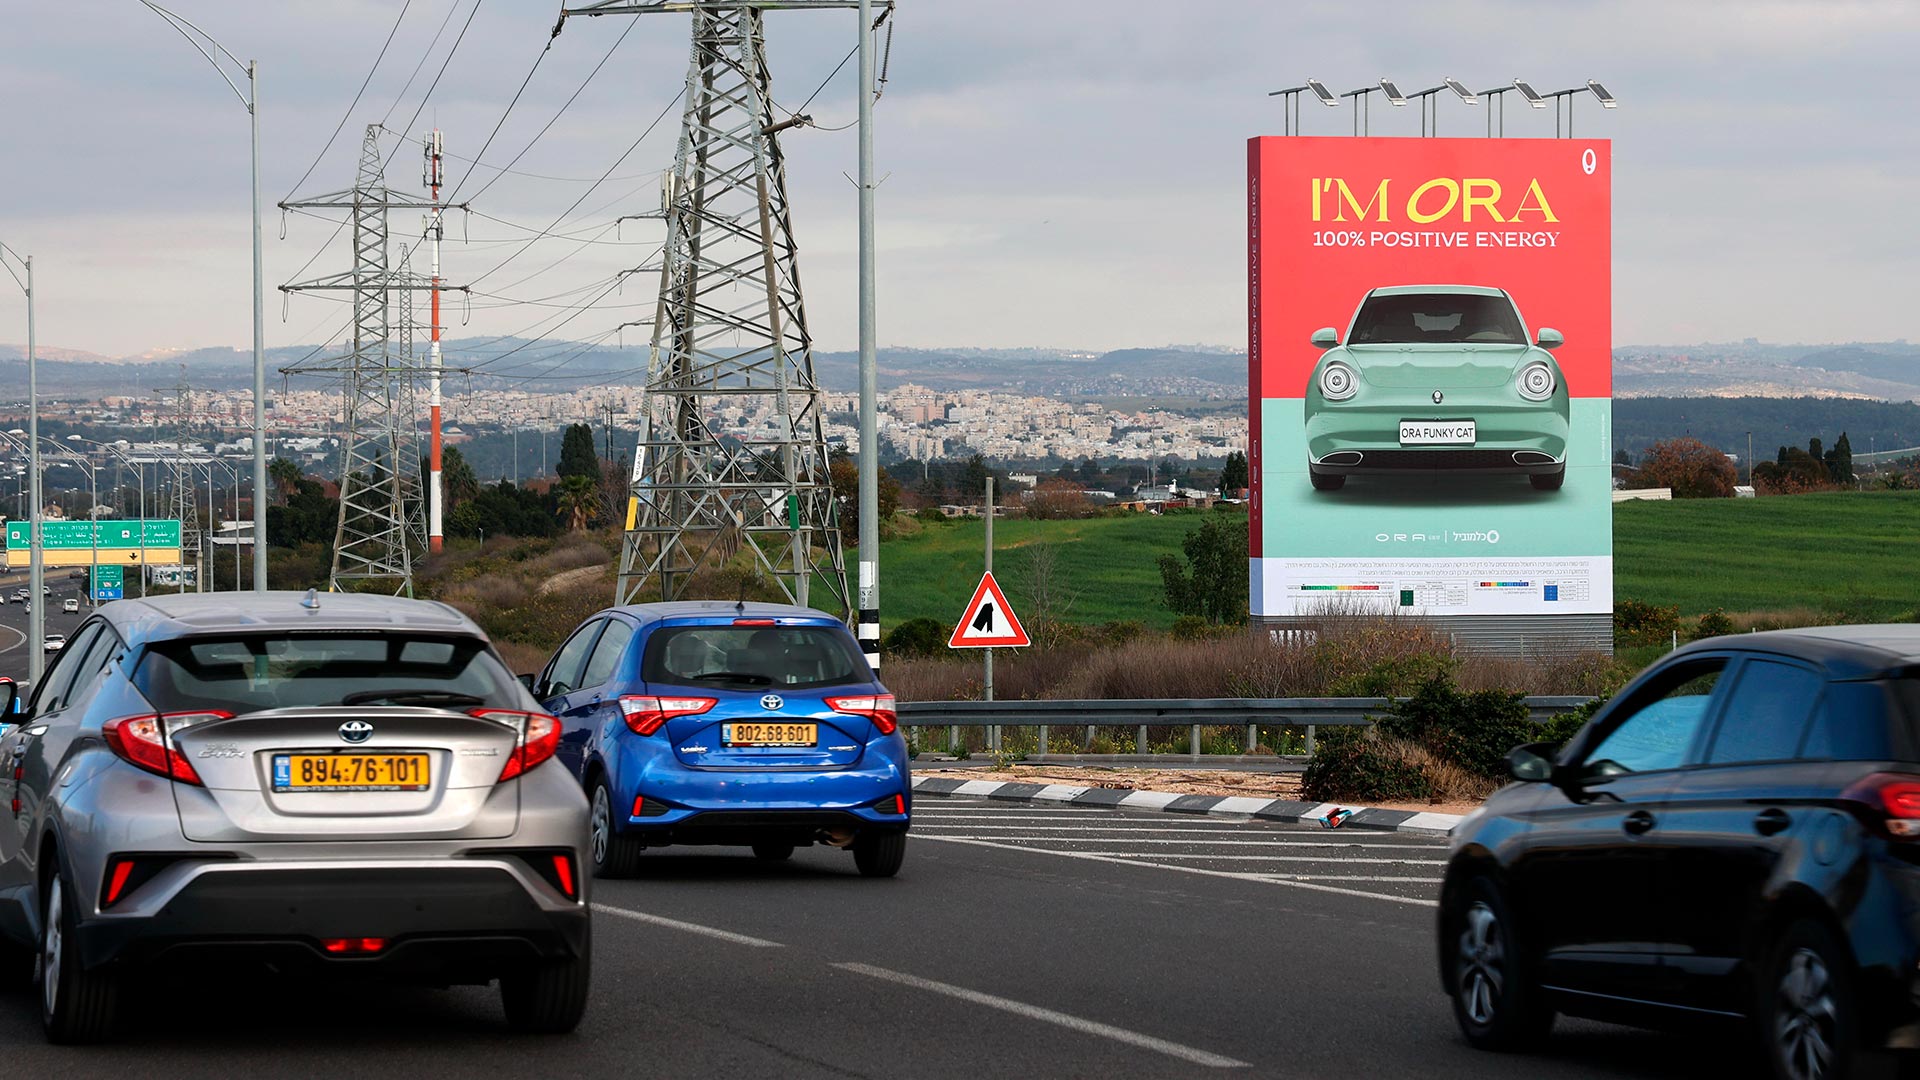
column 1330, row 815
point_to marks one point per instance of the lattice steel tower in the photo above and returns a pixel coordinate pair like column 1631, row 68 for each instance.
column 381, row 530
column 732, row 455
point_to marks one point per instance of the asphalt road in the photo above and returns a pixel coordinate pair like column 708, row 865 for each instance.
column 13, row 618
column 1019, row 941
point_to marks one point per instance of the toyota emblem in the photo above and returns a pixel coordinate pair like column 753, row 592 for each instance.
column 356, row 731
column 1438, row 397
column 772, row 702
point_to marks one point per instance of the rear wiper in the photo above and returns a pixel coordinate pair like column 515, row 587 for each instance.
column 412, row 697
column 748, row 677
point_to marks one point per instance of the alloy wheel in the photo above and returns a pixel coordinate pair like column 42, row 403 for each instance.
column 602, row 824
column 52, row 944
column 1805, row 1020
column 1480, row 968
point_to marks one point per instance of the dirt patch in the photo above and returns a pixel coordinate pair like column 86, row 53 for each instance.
column 579, row 578
column 1275, row 785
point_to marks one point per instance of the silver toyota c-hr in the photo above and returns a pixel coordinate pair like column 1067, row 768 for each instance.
column 330, row 785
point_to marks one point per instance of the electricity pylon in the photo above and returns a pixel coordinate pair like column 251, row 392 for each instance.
column 732, row 455
column 381, row 530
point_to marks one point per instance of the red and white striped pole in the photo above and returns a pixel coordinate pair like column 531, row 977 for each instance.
column 434, row 503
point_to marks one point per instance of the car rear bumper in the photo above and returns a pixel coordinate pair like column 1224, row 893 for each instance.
column 450, row 921
column 740, row 827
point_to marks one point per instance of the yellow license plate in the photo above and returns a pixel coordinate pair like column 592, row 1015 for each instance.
column 764, row 734
column 351, row 772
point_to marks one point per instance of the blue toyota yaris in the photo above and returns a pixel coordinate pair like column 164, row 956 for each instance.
column 707, row 722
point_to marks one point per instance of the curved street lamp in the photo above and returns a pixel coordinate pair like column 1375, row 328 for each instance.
column 36, row 560
column 204, row 43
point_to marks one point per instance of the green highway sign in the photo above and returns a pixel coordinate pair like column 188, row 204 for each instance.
column 71, row 535
column 109, row 582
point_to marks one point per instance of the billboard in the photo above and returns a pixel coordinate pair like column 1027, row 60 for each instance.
column 70, row 543
column 1431, row 378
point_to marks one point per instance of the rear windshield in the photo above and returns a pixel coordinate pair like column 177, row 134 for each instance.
column 247, row 673
column 1437, row 318
column 751, row 657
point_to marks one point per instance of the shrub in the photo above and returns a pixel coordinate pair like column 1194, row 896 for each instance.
column 1640, row 623
column 930, row 513
column 1190, row 628
column 915, row 637
column 1691, row 468
column 1474, row 730
column 1357, row 764
column 1713, row 624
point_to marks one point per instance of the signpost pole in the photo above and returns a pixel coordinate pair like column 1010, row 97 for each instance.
column 993, row 733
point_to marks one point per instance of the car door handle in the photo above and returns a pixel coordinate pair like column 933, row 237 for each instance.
column 1637, row 822
column 1770, row 821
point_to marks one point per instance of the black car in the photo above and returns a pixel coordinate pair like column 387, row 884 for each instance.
column 1734, row 837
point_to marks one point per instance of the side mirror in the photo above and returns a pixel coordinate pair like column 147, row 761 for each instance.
column 1530, row 763
column 526, row 681
column 1326, row 338
column 1549, row 338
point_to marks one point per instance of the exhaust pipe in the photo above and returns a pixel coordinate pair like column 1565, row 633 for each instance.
column 1343, row 457
column 1533, row 457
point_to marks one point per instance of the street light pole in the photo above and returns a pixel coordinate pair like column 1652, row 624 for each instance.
column 867, row 602
column 251, row 101
column 36, row 566
column 259, row 360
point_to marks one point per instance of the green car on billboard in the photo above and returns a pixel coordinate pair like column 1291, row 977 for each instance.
column 1433, row 378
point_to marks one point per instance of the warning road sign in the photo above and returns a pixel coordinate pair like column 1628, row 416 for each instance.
column 988, row 623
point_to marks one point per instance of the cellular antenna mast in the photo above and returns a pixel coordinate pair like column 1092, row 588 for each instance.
column 379, row 532
column 731, row 460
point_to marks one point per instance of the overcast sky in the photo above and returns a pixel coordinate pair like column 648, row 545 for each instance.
column 1068, row 173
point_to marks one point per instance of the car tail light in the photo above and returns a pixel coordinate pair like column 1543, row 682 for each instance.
column 563, row 874
column 753, row 622
column 540, row 737
column 645, row 713
column 1895, row 795
column 141, row 741
column 353, row 946
column 878, row 708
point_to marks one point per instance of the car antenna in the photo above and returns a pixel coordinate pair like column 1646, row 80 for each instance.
column 311, row 601
column 740, row 605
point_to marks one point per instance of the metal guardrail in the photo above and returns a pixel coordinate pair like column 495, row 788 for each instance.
column 1193, row 714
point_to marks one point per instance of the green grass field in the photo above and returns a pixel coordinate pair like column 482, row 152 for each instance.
column 1111, row 563
column 1854, row 555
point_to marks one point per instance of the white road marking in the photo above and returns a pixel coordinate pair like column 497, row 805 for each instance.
column 1343, row 841
column 691, row 928
column 1090, row 856
column 15, row 633
column 1051, row 1016
column 1195, row 842
column 1354, row 877
column 1261, row 858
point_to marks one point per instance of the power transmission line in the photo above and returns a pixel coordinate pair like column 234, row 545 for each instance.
column 348, row 115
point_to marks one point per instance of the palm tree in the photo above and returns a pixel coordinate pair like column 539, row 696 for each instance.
column 578, row 501
column 285, row 475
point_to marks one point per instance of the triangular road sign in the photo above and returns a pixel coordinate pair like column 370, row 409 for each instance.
column 989, row 623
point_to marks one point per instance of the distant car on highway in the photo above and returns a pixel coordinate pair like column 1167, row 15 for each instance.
column 350, row 786
column 1735, row 836
column 708, row 722
column 1436, row 377
column 70, row 605
column 53, row 642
